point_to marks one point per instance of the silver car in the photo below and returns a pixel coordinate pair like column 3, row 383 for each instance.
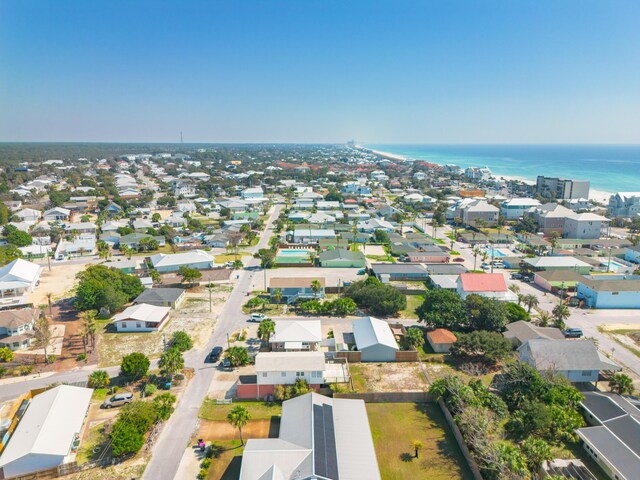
column 118, row 400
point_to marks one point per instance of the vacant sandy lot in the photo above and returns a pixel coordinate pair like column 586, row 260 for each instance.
column 59, row 281
column 192, row 316
column 388, row 377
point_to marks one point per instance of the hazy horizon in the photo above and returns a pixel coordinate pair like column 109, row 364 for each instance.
column 404, row 72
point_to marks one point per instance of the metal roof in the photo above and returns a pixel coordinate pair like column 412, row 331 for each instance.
column 51, row 422
column 370, row 331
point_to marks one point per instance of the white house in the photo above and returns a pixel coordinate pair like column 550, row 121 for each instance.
column 57, row 214
column 28, row 215
column 198, row 259
column 48, row 433
column 625, row 204
column 252, row 192
column 17, row 280
column 141, row 318
column 284, row 368
column 515, row 208
column 296, row 336
column 375, row 340
column 16, row 327
column 585, row 225
column 319, row 438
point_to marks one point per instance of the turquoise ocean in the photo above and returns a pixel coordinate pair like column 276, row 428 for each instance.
column 609, row 168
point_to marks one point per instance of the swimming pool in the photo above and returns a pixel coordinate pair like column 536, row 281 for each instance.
column 614, row 266
column 496, row 253
column 293, row 252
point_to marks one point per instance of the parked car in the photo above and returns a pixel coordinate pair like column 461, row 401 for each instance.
column 118, row 400
column 256, row 317
column 214, row 356
column 362, row 271
column 572, row 333
column 226, row 364
column 516, row 276
column 458, row 259
column 228, row 264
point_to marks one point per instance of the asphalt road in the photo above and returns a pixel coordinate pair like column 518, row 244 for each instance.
column 177, row 432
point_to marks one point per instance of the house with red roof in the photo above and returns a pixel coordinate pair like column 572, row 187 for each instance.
column 441, row 340
column 490, row 285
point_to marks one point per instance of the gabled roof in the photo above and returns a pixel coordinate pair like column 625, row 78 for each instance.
column 142, row 312
column 297, row 331
column 17, row 318
column 565, row 355
column 523, row 331
column 176, row 259
column 483, row 282
column 19, row 271
column 159, row 295
column 370, row 331
column 319, row 438
column 289, row 361
column 50, row 423
column 340, row 254
column 441, row 335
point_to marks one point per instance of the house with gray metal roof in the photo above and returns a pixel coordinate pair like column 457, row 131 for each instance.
column 622, row 293
column 320, row 438
column 162, row 297
column 375, row 340
column 578, row 360
column 612, row 438
column 522, row 331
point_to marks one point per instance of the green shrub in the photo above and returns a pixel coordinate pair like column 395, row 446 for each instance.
column 181, row 340
column 202, row 474
column 149, row 389
column 81, row 357
column 24, row 369
column 6, row 355
column 206, row 463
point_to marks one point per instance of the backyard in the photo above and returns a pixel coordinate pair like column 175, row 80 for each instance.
column 394, row 427
column 388, row 377
column 413, row 302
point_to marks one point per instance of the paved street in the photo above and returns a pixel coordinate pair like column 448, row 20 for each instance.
column 177, row 433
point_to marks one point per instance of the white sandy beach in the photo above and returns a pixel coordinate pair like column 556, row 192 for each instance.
column 597, row 195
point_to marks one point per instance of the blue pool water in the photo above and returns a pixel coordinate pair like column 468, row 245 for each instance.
column 496, row 253
column 293, row 252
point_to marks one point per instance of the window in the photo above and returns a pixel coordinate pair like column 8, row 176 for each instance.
column 124, row 324
column 586, row 373
column 264, row 374
column 138, row 325
column 615, row 293
column 316, row 374
column 299, row 374
column 283, row 374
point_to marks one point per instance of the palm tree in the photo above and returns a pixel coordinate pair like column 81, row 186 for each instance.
column 316, row 286
column 266, row 328
column 521, row 298
column 554, row 241
column 49, row 296
column 88, row 318
column 239, row 417
column 560, row 314
column 531, row 301
column 514, row 288
column 544, row 319
column 476, row 251
column 171, row 362
column 621, row 384
column 277, row 296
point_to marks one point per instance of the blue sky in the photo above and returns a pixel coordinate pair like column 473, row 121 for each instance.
column 538, row 71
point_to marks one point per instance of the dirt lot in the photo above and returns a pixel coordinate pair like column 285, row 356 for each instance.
column 388, row 377
column 192, row 316
column 215, row 275
column 59, row 281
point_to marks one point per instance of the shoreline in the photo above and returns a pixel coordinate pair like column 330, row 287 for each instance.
column 600, row 196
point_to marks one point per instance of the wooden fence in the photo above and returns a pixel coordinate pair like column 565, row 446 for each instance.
column 391, row 397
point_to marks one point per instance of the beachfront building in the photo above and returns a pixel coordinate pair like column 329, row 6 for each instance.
column 514, row 208
column 625, row 204
column 562, row 188
column 585, row 225
column 479, row 210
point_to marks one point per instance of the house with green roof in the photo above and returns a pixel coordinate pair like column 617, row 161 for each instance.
column 342, row 258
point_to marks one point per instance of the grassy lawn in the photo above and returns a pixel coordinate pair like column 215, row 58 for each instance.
column 210, row 410
column 223, row 257
column 227, row 465
column 382, row 258
column 394, row 427
column 164, row 249
column 413, row 302
column 95, row 438
column 113, row 346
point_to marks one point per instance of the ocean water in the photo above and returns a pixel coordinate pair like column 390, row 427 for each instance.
column 609, row 168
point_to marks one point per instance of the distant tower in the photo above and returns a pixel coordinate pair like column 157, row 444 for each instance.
column 181, row 137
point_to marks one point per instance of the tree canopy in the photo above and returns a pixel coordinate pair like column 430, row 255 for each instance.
column 377, row 298
column 104, row 287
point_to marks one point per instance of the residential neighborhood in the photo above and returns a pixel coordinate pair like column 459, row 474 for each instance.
column 313, row 312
